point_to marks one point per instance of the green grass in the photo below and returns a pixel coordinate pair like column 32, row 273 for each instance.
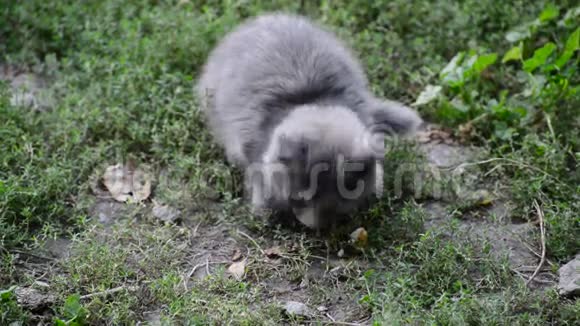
column 122, row 74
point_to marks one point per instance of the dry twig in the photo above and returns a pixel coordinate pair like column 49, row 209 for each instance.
column 109, row 291
column 253, row 241
column 543, row 242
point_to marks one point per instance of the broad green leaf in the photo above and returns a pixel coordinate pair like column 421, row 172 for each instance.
column 452, row 65
column 430, row 93
column 549, row 13
column 523, row 31
column 573, row 42
column 470, row 62
column 502, row 130
column 73, row 308
column 514, row 53
column 540, row 56
column 570, row 17
column 6, row 295
column 572, row 45
column 484, row 61
column 452, row 74
column 458, row 104
column 514, row 36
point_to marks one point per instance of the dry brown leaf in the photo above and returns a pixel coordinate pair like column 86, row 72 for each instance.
column 423, row 137
column 124, row 183
column 359, row 237
column 238, row 269
column 466, row 131
column 435, row 135
column 118, row 182
column 141, row 185
column 237, row 255
column 483, row 198
column 273, row 253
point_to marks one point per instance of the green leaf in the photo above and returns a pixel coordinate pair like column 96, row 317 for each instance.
column 514, row 36
column 549, row 13
column 540, row 56
column 458, row 104
column 452, row 65
column 573, row 42
column 514, row 53
column 6, row 295
column 429, row 94
column 484, row 61
column 73, row 308
column 570, row 17
column 523, row 31
column 59, row 322
column 572, row 45
column 453, row 73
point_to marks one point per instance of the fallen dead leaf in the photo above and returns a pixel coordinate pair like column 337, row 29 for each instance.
column 117, row 179
column 141, row 185
column 466, row 131
column 238, row 269
column 483, row 198
column 435, row 135
column 273, row 252
column 124, row 182
column 237, row 255
column 359, row 237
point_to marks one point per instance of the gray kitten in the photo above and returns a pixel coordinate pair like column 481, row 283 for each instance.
column 290, row 104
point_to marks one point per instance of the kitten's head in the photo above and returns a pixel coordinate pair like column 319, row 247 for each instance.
column 325, row 162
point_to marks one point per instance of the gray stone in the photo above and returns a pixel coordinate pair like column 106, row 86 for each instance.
column 445, row 155
column 296, row 308
column 33, row 299
column 569, row 284
column 165, row 213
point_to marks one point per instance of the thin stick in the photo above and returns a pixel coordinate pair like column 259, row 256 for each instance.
column 543, row 242
column 253, row 241
column 535, row 280
column 330, row 317
column 194, row 269
column 520, row 274
column 107, row 292
column 338, row 323
column 510, row 162
column 207, row 264
column 31, row 254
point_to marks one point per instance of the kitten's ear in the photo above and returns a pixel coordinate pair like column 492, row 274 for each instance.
column 394, row 118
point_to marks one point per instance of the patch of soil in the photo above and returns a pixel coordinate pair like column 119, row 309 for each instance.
column 492, row 222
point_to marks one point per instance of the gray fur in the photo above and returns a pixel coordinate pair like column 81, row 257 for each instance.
column 283, row 95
